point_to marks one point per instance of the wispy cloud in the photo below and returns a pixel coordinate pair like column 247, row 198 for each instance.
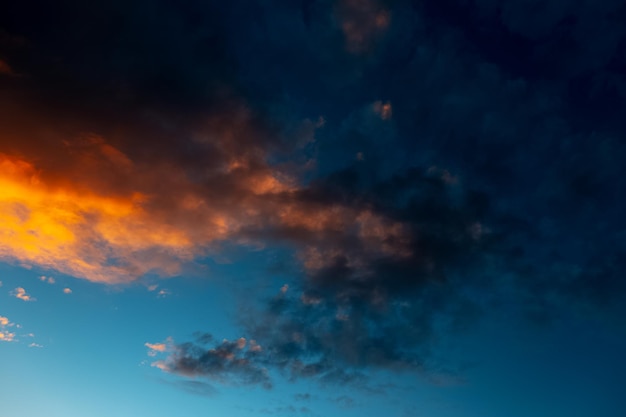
column 155, row 348
column 67, row 290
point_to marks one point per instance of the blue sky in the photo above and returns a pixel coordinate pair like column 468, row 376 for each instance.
column 316, row 207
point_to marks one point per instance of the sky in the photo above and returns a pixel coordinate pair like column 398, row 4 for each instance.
column 313, row 208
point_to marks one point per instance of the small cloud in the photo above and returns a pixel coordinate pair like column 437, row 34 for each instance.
column 383, row 109
column 20, row 293
column 160, row 365
column 155, row 348
column 284, row 288
column 152, row 287
column 6, row 336
column 67, row 291
column 241, row 342
column 49, row 280
column 254, row 346
column 163, row 293
column 35, row 345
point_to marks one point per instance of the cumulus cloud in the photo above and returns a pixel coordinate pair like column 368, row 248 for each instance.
column 20, row 293
column 5, row 334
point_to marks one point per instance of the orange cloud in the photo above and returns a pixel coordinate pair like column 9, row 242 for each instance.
column 86, row 227
column 67, row 290
column 75, row 231
column 157, row 347
column 94, row 212
column 86, row 208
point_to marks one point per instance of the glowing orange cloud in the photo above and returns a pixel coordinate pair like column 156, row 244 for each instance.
column 106, row 218
column 78, row 232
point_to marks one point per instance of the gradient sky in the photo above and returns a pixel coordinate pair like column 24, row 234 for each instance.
column 313, row 208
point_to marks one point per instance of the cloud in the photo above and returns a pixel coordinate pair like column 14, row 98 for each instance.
column 381, row 266
column 228, row 362
column 362, row 22
column 118, row 235
column 490, row 148
column 20, row 293
column 67, row 290
column 5, row 334
column 155, row 348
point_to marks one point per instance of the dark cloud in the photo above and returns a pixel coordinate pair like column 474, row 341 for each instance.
column 229, row 362
column 425, row 161
column 514, row 185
